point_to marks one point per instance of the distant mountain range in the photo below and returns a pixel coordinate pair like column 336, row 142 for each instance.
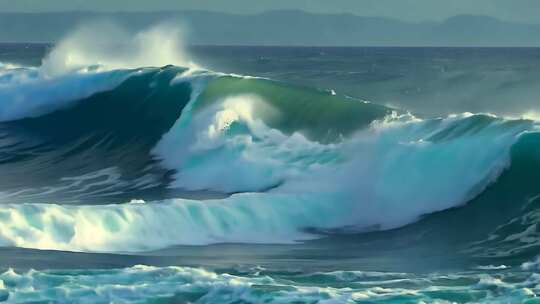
column 291, row 28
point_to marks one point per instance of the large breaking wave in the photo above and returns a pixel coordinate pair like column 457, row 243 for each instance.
column 106, row 156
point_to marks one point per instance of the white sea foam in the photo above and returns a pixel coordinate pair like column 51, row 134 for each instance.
column 143, row 284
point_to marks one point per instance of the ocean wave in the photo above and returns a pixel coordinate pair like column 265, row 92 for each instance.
column 301, row 175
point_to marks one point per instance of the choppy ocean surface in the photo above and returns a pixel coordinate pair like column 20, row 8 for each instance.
column 268, row 175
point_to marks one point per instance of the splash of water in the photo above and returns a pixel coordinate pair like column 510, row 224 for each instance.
column 92, row 59
column 108, row 46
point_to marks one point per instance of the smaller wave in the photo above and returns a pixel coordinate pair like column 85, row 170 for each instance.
column 28, row 93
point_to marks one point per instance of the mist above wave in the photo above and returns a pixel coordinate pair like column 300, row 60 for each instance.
column 109, row 46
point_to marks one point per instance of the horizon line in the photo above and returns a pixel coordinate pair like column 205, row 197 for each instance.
column 179, row 11
column 319, row 46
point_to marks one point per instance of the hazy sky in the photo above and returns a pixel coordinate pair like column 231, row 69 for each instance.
column 412, row 10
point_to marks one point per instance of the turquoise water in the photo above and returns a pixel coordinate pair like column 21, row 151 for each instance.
column 146, row 284
column 176, row 184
